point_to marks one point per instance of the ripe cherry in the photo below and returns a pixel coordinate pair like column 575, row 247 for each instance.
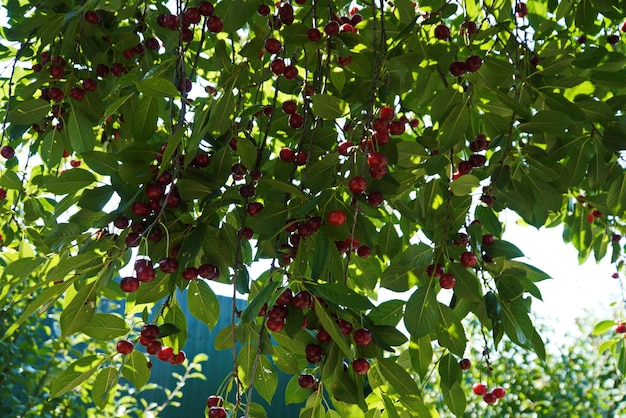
column 331, row 28
column 336, row 217
column 306, row 381
column 254, row 208
column 447, row 281
column 357, row 185
column 490, row 398
column 302, row 300
column 364, row 251
column 263, row 9
column 620, row 328
column 313, row 353
column 190, row 273
column 289, row 107
column 480, row 389
column 154, row 192
column 442, row 32
column 290, row 72
column 209, row 271
column 272, row 45
column 285, row 297
column 77, row 93
column 344, row 61
column 89, row 84
column 217, row 412
column 296, row 121
column 92, row 17
column 168, row 265
column 166, row 354
column 140, row 209
column 117, row 69
column 377, row 159
column 465, row 364
column 375, row 198
column 362, row 336
column 287, row 155
column 215, row 24
column 178, row 358
column 468, row 259
column 477, row 160
column 205, row 8
column 488, row 239
column 499, row 392
column 314, row 34
column 278, row 66
column 150, row 331
column 214, row 400
column 387, row 113
column 154, row 347
column 129, row 284
column 473, row 63
column 323, row 336
column 465, row 167
column 57, row 72
column 7, row 152
column 124, row 347
column 360, row 366
column 275, row 324
column 458, row 68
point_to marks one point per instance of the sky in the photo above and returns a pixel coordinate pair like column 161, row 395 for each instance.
column 576, row 291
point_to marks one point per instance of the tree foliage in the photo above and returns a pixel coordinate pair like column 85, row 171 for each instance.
column 351, row 145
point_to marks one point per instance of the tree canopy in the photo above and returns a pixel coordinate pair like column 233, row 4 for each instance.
column 150, row 148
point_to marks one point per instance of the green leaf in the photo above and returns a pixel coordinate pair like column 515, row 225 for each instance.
column 105, row 381
column 332, row 328
column 603, row 327
column 620, row 357
column 75, row 374
column 421, row 355
column 79, row 312
column 224, row 338
column 328, row 107
column 247, row 151
column 464, row 185
column 454, row 127
column 321, row 254
column 421, row 314
column 342, row 296
column 255, row 305
column 203, row 303
column 449, row 371
column 145, row 117
column 388, row 240
column 101, row 162
column 294, row 393
column 106, row 327
column 135, row 369
column 157, row 87
column 397, row 377
column 71, row 181
column 176, row 316
column 450, row 331
column 616, row 198
column 501, row 248
column 454, row 397
column 266, row 379
column 81, row 133
column 387, row 313
column 10, row 181
column 221, row 114
column 29, row 112
column 547, row 121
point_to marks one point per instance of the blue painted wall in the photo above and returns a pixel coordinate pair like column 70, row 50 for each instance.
column 196, row 391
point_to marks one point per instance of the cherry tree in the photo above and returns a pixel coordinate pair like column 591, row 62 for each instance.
column 350, row 146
